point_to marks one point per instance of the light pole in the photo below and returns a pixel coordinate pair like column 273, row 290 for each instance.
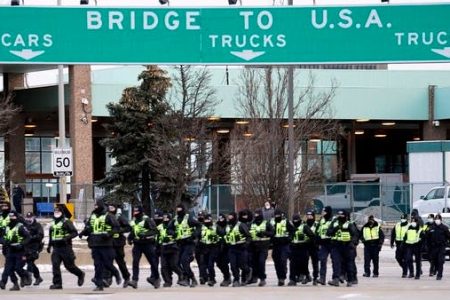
column 290, row 92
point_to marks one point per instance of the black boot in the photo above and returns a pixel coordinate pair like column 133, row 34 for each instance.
column 15, row 287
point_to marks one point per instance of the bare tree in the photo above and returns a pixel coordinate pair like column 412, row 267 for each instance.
column 185, row 141
column 259, row 149
column 7, row 111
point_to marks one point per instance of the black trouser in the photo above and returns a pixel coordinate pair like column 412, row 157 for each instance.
column 280, row 255
column 313, row 252
column 324, row 252
column 371, row 254
column 119, row 257
column 400, row 257
column 410, row 251
column 14, row 263
column 18, row 206
column 149, row 251
column 259, row 257
column 197, row 253
column 341, row 259
column 67, row 257
column 237, row 254
column 185, row 259
column 437, row 258
column 31, row 266
column 298, row 261
column 103, row 260
column 223, row 262
column 169, row 265
column 208, row 256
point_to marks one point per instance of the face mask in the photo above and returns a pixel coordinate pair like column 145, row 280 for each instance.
column 12, row 221
column 201, row 219
column 180, row 213
column 207, row 223
column 166, row 221
column 258, row 218
column 413, row 224
column 403, row 220
column 278, row 219
column 430, row 220
column 438, row 222
column 57, row 215
column 296, row 222
column 232, row 220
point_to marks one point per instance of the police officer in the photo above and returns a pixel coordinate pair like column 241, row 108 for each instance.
column 5, row 208
column 100, row 229
column 187, row 232
column 143, row 238
column 344, row 235
column 437, row 237
column 261, row 232
column 281, row 239
column 324, row 242
column 208, row 249
column 237, row 236
column 15, row 240
column 372, row 237
column 169, row 251
column 298, row 267
column 119, row 242
column 313, row 249
column 412, row 244
column 203, row 277
column 61, row 233
column 35, row 246
column 425, row 246
column 222, row 257
column 397, row 236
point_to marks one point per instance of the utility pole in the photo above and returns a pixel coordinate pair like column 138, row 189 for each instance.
column 62, row 127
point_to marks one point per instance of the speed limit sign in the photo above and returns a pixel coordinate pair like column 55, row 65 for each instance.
column 62, row 162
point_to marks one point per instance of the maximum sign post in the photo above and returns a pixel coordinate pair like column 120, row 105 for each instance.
column 62, row 163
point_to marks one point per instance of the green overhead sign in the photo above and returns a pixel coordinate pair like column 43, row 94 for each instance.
column 262, row 35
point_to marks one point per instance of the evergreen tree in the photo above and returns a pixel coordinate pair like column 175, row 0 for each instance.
column 134, row 137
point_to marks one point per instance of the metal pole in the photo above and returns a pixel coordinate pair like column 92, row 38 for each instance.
column 62, row 126
column 290, row 92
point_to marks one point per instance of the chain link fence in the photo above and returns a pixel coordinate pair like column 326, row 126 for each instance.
column 385, row 201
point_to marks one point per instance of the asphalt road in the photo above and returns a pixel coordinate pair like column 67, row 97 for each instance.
column 389, row 285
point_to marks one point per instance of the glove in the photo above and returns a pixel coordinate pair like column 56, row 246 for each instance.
column 261, row 234
column 392, row 246
column 166, row 239
column 49, row 249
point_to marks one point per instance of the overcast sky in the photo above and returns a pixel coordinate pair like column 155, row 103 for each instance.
column 50, row 77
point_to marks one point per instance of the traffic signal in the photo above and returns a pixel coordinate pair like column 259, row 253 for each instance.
column 162, row 2
column 15, row 2
column 232, row 2
column 84, row 2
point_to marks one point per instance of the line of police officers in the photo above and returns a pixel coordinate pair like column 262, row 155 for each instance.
column 239, row 242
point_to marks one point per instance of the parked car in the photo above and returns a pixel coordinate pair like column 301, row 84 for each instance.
column 434, row 201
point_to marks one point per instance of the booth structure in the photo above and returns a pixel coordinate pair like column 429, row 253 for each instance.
column 429, row 166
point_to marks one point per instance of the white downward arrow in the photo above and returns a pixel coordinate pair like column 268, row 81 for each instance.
column 27, row 54
column 445, row 52
column 247, row 54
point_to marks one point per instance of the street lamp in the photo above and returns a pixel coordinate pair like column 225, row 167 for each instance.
column 162, row 2
column 234, row 2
